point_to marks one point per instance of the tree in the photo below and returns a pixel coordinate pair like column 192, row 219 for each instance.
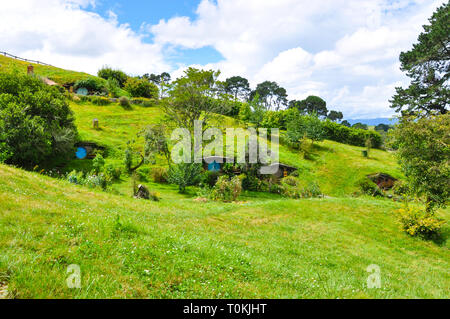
column 311, row 105
column 382, row 127
column 238, row 87
column 109, row 73
column 194, row 96
column 141, row 88
column 360, row 126
column 271, row 95
column 424, row 155
column 335, row 116
column 305, row 126
column 36, row 123
column 156, row 142
column 185, row 174
column 346, row 123
column 428, row 65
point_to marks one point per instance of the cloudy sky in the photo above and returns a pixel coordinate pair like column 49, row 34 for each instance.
column 345, row 51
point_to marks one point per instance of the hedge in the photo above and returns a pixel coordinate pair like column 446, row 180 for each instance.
column 353, row 136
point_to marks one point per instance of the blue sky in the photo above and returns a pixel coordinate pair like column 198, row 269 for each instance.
column 345, row 51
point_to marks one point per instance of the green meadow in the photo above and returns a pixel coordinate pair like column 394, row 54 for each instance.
column 263, row 246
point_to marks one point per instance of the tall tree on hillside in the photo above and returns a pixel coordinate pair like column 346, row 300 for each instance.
column 311, row 105
column 335, row 116
column 427, row 64
column 271, row 94
column 194, row 96
column 238, row 87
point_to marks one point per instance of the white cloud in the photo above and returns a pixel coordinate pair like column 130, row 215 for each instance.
column 322, row 47
column 343, row 50
column 62, row 33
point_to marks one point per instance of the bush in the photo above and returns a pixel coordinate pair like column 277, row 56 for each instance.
column 366, row 186
column 124, row 102
column 210, row 178
column 226, row 190
column 290, row 180
column 159, row 174
column 185, row 174
column 418, row 222
column 100, row 100
column 112, row 172
column 143, row 101
column 400, row 188
column 94, row 181
column 75, row 177
column 118, row 76
column 98, row 163
column 311, row 190
column 36, row 123
column 352, row 136
column 155, row 196
column 92, row 84
column 141, row 88
column 251, row 183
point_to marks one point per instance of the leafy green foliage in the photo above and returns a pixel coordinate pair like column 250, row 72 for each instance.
column 92, row 84
column 311, row 105
column 184, row 174
column 238, row 87
column 159, row 174
column 227, row 190
column 271, row 95
column 349, row 135
column 36, row 123
column 417, row 222
column 424, row 155
column 335, row 116
column 427, row 64
column 124, row 102
column 117, row 76
column 309, row 126
column 196, row 95
column 366, row 186
column 141, row 88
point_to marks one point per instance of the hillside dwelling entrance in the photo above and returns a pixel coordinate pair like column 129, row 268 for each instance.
column 215, row 163
column 384, row 181
column 282, row 170
column 87, row 150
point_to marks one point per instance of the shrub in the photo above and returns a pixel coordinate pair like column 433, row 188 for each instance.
column 352, row 136
column 75, row 177
column 159, row 174
column 143, row 101
column 366, row 186
column 118, row 76
column 124, row 102
column 92, row 84
column 112, row 172
column 290, row 180
column 94, row 181
column 36, row 123
column 154, row 196
column 226, row 190
column 418, row 222
column 113, row 87
column 141, row 88
column 311, row 190
column 98, row 163
column 210, row 178
column 184, row 174
column 100, row 100
column 400, row 188
column 251, row 183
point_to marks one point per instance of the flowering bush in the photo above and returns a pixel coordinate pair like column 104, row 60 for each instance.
column 227, row 190
column 418, row 222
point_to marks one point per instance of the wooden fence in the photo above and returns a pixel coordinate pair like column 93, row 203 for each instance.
column 22, row 59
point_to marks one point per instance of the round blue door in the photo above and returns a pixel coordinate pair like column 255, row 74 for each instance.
column 81, row 153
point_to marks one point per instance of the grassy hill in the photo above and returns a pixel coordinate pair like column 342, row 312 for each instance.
column 335, row 167
column 58, row 75
column 265, row 248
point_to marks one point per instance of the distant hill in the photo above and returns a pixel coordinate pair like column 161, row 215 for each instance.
column 370, row 122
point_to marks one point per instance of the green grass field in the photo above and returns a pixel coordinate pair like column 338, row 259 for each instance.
column 58, row 75
column 264, row 246
column 177, row 248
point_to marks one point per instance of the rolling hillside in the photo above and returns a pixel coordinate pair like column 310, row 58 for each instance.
column 264, row 246
column 180, row 248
